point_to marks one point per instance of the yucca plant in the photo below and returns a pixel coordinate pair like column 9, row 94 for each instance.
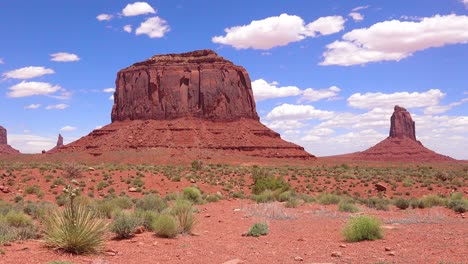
column 76, row 229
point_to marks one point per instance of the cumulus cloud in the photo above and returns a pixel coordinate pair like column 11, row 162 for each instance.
column 138, row 8
column 465, row 2
column 154, row 27
column 439, row 109
column 28, row 143
column 356, row 16
column 294, row 112
column 28, row 73
column 104, row 17
column 57, row 107
column 409, row 100
column 395, row 40
column 109, row 90
column 313, row 95
column 263, row 90
column 32, row 106
column 111, row 98
column 128, row 28
column 64, row 57
column 68, row 128
column 25, row 89
column 278, row 31
column 285, row 124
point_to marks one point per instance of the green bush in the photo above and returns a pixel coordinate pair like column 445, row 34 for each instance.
column 263, row 181
column 347, row 207
column 378, row 203
column 17, row 219
column 292, row 202
column 123, row 202
column 459, row 206
column 183, row 211
column 363, row 228
column 166, row 226
column 7, row 233
column 264, row 197
column 402, row 203
column 433, row 200
column 151, row 202
column 147, row 218
column 192, row 194
column 329, row 198
column 125, row 225
column 106, row 208
column 76, row 229
column 258, row 229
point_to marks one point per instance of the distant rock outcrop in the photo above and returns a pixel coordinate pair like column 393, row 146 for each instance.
column 4, row 147
column 195, row 102
column 59, row 141
column 401, row 145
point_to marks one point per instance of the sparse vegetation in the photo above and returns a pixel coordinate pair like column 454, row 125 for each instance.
column 258, row 229
column 363, row 228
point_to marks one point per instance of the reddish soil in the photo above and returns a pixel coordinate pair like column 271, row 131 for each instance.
column 313, row 234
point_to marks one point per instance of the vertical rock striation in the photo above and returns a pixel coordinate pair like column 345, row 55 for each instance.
column 401, row 124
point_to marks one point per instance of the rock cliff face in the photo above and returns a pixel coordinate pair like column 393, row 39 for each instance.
column 197, row 84
column 59, row 141
column 401, row 145
column 401, row 124
column 177, row 105
column 4, row 147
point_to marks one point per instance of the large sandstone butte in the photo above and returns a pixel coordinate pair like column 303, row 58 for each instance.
column 401, row 144
column 195, row 102
column 4, row 147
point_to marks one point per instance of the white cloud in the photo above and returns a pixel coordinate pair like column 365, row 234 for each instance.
column 57, row 107
column 25, row 89
column 263, row 90
column 360, row 8
column 154, row 27
column 356, row 16
column 68, row 128
column 291, row 112
column 28, row 73
column 104, row 17
column 465, row 2
column 111, row 98
column 128, row 28
column 277, row 31
column 28, row 143
column 312, row 95
column 98, row 127
column 395, row 40
column 439, row 109
column 285, row 124
column 32, row 106
column 109, row 90
column 409, row 100
column 138, row 8
column 64, row 57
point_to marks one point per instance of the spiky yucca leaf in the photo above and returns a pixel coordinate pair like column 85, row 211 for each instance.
column 76, row 229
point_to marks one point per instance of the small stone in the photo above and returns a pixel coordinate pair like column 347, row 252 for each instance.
column 155, row 243
column 193, row 180
column 298, row 258
column 391, row 253
column 207, row 216
column 336, row 254
column 132, row 189
column 91, row 169
column 388, row 249
column 301, row 239
column 233, row 261
column 237, row 210
column 342, row 246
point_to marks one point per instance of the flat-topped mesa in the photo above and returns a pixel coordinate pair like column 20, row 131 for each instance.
column 3, row 136
column 401, row 124
column 199, row 84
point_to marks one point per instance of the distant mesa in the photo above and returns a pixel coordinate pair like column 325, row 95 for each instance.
column 401, row 144
column 195, row 101
column 4, row 147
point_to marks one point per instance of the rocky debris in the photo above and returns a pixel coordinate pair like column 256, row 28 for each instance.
column 298, row 258
column 336, row 254
column 4, row 147
column 132, row 189
column 59, row 141
column 4, row 189
column 233, row 261
column 198, row 84
column 181, row 104
column 401, row 145
column 380, row 187
column 401, row 124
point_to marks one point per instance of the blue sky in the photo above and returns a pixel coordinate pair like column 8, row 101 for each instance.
column 326, row 74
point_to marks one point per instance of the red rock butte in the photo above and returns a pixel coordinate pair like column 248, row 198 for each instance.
column 4, row 147
column 190, row 101
column 401, row 144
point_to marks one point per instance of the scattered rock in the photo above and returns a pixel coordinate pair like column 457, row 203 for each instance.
column 388, row 249
column 391, row 253
column 342, row 246
column 298, row 258
column 336, row 254
column 4, row 189
column 110, row 252
column 380, row 187
column 132, row 189
column 301, row 239
column 233, row 261
column 193, row 180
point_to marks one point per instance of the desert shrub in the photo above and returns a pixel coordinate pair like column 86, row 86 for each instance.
column 416, row 203
column 166, row 226
column 264, row 197
column 402, row 203
column 61, row 199
column 432, row 200
column 292, row 202
column 151, row 202
column 192, row 194
column 34, row 189
column 183, row 211
column 197, row 165
column 329, row 198
column 72, row 170
column 38, row 210
column 363, row 228
column 125, row 225
column 264, row 181
column 25, row 232
column 17, row 219
column 76, row 229
column 459, row 206
column 285, row 196
column 347, row 206
column 6, row 233
column 106, row 208
column 123, row 202
column 378, row 203
column 258, row 229
column 147, row 218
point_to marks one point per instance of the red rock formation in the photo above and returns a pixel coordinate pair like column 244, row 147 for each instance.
column 59, row 141
column 195, row 102
column 401, row 124
column 401, row 145
column 197, row 84
column 4, row 147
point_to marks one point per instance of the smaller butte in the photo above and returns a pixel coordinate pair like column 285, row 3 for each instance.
column 4, row 147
